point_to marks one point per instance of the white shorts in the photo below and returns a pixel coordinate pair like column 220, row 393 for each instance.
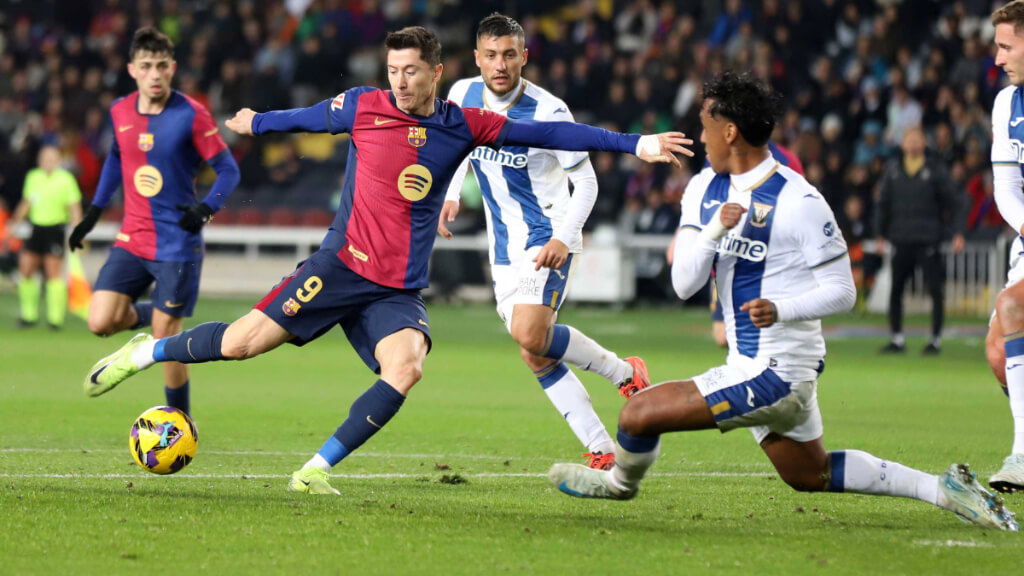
column 755, row 397
column 519, row 283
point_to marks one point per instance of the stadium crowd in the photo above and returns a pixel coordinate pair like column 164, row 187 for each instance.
column 854, row 75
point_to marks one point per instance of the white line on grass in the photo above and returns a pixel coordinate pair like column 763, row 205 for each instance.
column 371, row 476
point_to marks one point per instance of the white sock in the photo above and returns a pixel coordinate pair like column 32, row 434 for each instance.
column 586, row 354
column 862, row 473
column 318, row 461
column 1015, row 387
column 630, row 467
column 573, row 403
column 897, row 339
column 142, row 355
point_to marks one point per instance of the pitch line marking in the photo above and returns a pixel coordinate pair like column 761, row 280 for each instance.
column 202, row 476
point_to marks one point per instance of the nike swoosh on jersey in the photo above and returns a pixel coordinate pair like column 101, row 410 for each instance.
column 377, row 121
column 125, row 128
column 1016, row 121
column 372, row 423
column 711, row 204
column 210, row 133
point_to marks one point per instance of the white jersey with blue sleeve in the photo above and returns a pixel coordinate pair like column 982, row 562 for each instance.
column 525, row 190
column 788, row 233
column 1008, row 155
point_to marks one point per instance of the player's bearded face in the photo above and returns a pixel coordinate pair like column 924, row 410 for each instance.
column 1010, row 52
column 713, row 136
column 413, row 81
column 153, row 74
column 501, row 60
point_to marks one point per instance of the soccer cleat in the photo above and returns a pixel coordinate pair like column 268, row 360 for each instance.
column 971, row 502
column 311, row 480
column 600, row 460
column 931, row 350
column 1010, row 477
column 638, row 381
column 113, row 369
column 893, row 348
column 582, row 482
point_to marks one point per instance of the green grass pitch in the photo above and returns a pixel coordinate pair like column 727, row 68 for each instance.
column 72, row 500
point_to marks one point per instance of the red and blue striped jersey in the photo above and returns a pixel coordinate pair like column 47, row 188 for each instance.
column 399, row 166
column 160, row 157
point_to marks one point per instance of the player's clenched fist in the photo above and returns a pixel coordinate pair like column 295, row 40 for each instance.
column 762, row 312
column 731, row 214
column 242, row 122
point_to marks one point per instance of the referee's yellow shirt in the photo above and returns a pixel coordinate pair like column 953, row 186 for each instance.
column 50, row 196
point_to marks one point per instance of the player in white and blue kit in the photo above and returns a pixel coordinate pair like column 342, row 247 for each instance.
column 535, row 230
column 1005, row 345
column 781, row 264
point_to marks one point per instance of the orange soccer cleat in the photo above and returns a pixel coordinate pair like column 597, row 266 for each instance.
column 638, row 381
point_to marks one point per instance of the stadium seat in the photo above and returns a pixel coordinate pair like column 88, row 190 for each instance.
column 250, row 217
column 283, row 217
column 316, row 218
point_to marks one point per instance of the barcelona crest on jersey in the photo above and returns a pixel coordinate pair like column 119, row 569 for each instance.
column 291, row 307
column 417, row 136
column 145, row 141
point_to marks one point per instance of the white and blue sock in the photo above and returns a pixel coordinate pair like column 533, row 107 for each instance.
column 368, row 414
column 1014, row 344
column 569, row 344
column 570, row 398
column 633, row 457
column 861, row 473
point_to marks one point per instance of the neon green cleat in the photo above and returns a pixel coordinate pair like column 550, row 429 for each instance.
column 971, row 502
column 113, row 369
column 311, row 480
column 583, row 482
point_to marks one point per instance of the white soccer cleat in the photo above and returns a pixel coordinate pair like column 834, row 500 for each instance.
column 583, row 482
column 1010, row 477
column 971, row 502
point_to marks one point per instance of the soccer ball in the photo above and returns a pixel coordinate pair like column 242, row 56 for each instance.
column 163, row 440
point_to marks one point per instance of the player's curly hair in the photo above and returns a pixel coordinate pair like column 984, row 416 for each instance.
column 1012, row 13
column 149, row 39
column 497, row 25
column 747, row 102
column 416, row 37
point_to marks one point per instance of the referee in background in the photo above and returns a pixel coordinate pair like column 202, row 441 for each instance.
column 50, row 199
column 918, row 207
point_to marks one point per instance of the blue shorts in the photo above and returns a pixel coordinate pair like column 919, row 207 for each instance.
column 323, row 292
column 177, row 283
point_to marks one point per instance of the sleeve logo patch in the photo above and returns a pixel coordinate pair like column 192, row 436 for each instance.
column 338, row 103
column 829, row 229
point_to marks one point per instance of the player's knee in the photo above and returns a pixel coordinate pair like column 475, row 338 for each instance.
column 634, row 418
column 101, row 326
column 404, row 375
column 531, row 341
column 1011, row 313
column 996, row 355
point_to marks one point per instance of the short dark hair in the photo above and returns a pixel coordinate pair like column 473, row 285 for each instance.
column 416, row 37
column 151, row 40
column 1012, row 13
column 747, row 102
column 497, row 25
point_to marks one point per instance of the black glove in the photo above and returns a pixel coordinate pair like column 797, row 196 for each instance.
column 89, row 219
column 195, row 216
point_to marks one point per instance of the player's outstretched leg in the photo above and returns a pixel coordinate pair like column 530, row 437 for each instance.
column 1010, row 313
column 567, row 343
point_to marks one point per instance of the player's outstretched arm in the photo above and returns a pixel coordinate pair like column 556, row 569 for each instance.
column 248, row 123
column 572, row 136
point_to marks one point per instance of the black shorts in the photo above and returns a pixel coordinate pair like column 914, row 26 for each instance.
column 46, row 240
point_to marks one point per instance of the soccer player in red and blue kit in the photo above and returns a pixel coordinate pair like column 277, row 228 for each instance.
column 371, row 266
column 161, row 139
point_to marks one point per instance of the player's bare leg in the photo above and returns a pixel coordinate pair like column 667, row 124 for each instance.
column 401, row 357
column 667, row 407
column 530, row 327
column 28, row 287
column 110, row 312
column 176, row 379
column 995, row 353
column 807, row 467
column 1010, row 316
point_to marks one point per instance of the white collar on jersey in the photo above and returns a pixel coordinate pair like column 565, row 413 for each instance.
column 502, row 103
column 756, row 176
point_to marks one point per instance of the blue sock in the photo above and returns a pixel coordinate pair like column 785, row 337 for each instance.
column 178, row 397
column 369, row 413
column 557, row 342
column 837, row 473
column 193, row 346
column 550, row 375
column 144, row 310
column 637, row 444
